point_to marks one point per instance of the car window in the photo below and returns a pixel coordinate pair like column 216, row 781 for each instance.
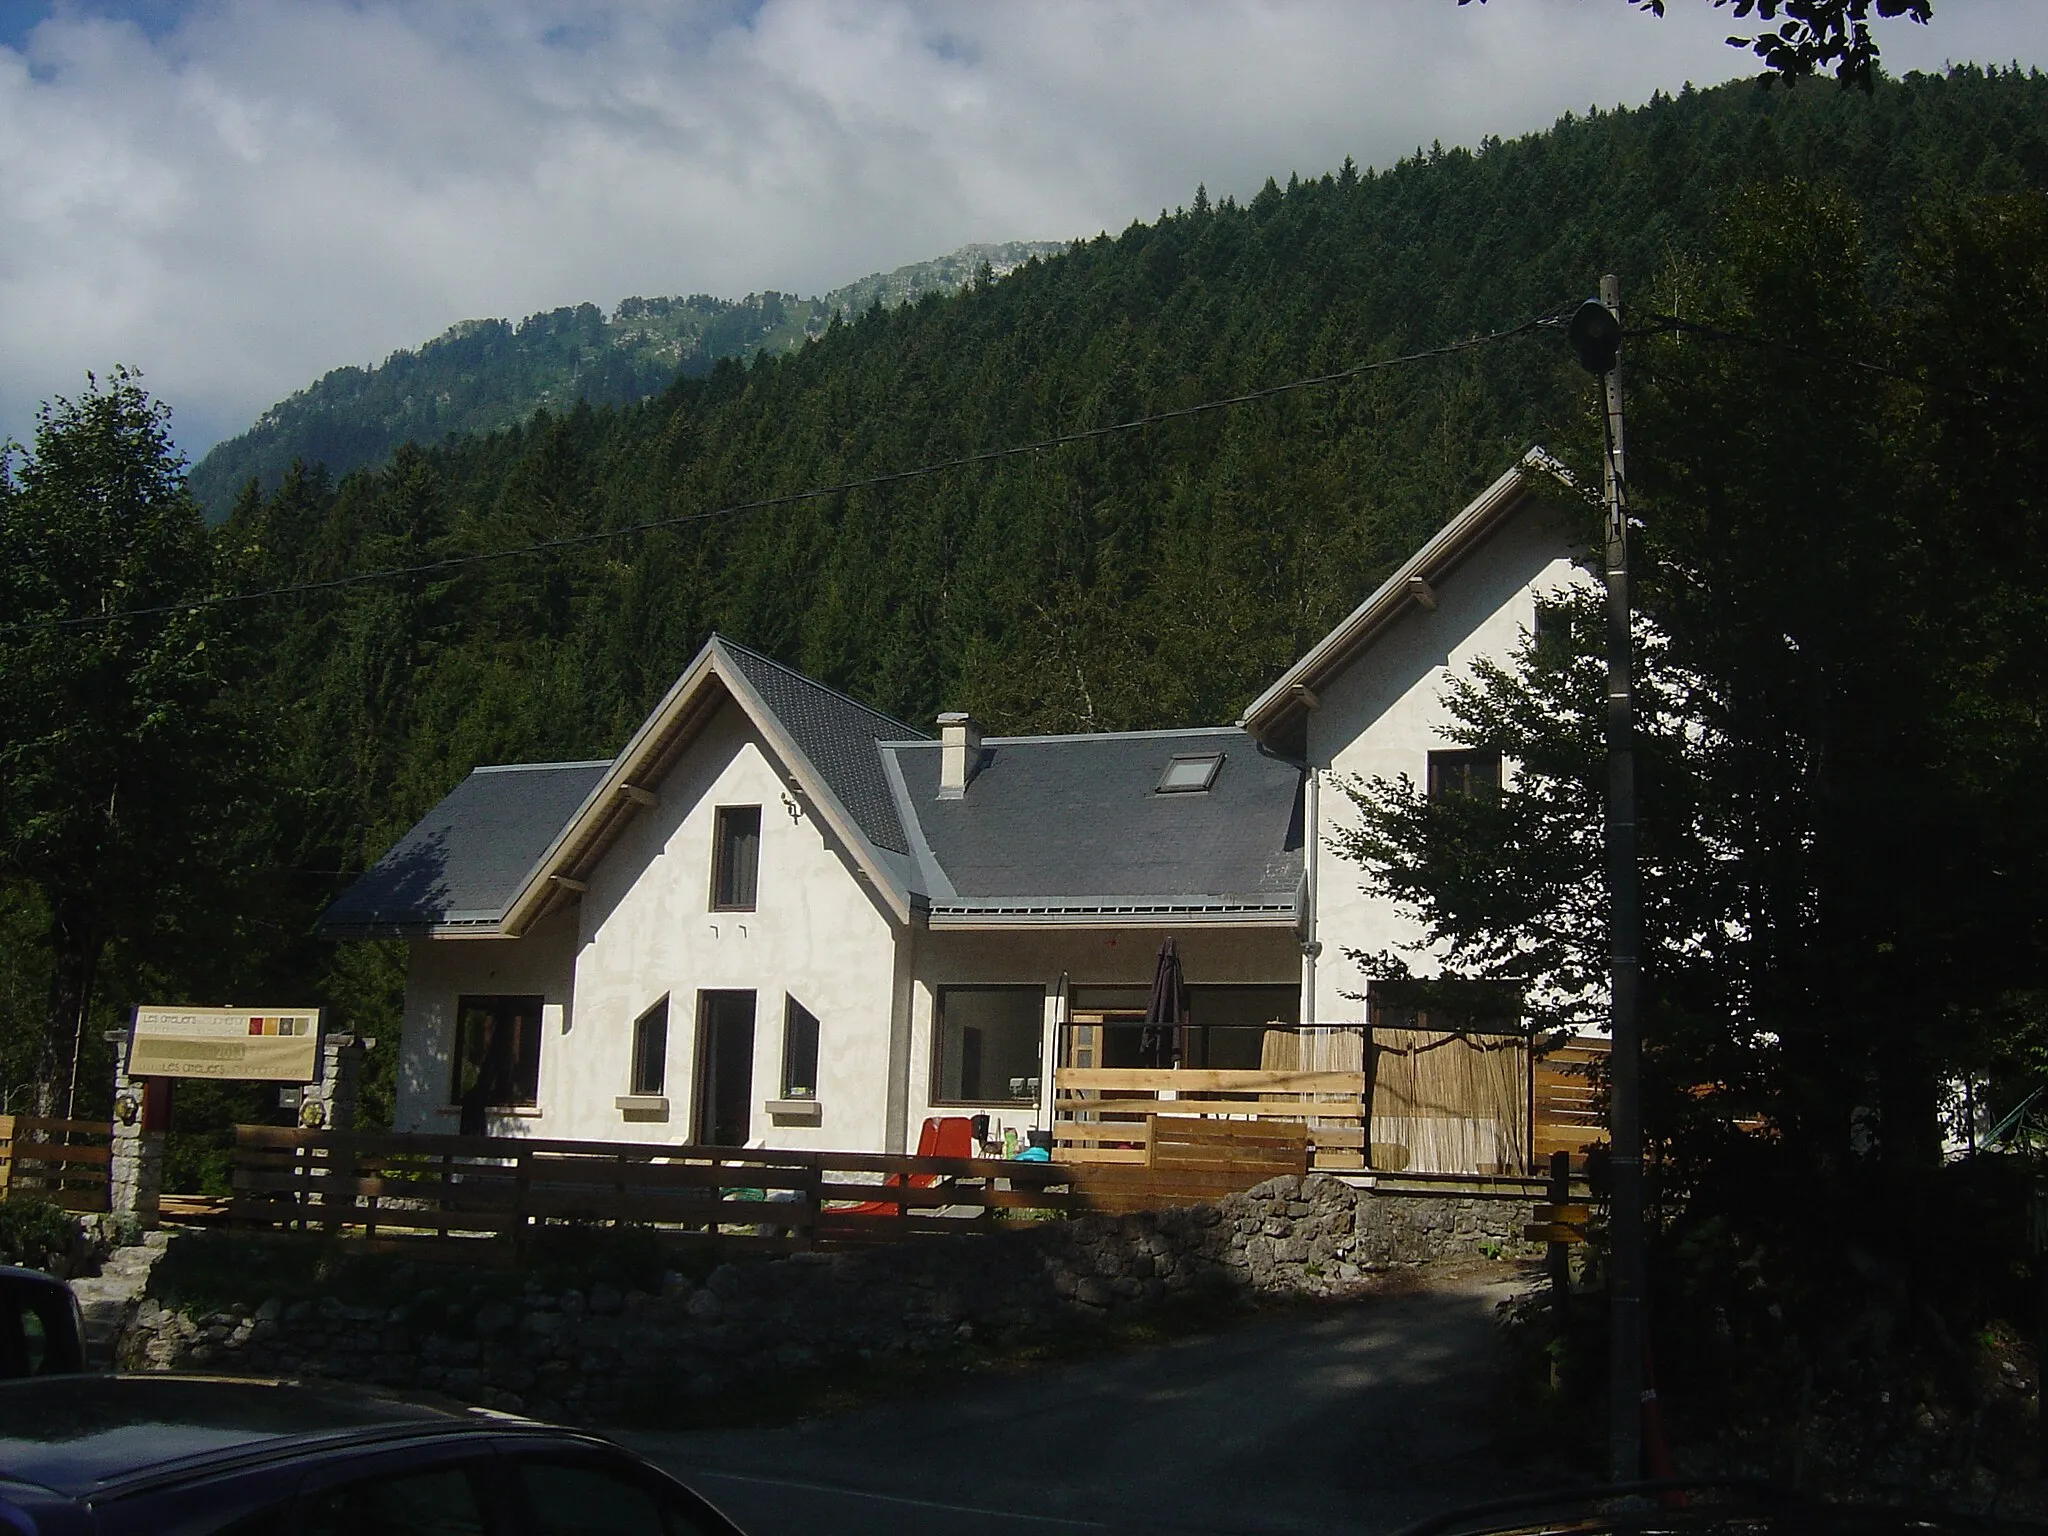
column 582, row 1499
column 442, row 1502
column 37, row 1333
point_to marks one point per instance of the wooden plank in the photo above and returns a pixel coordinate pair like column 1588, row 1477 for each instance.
column 30, row 1125
column 1264, row 1108
column 509, row 1148
column 1207, row 1080
column 55, row 1152
column 1179, row 1131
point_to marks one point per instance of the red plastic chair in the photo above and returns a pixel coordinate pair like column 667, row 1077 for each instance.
column 942, row 1136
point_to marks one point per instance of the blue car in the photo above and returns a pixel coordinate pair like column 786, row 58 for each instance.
column 84, row 1455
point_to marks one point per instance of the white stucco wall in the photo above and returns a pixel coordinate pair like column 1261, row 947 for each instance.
column 440, row 971
column 1383, row 715
column 1055, row 957
column 818, row 933
column 645, row 928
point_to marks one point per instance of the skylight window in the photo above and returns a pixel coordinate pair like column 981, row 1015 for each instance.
column 1190, row 775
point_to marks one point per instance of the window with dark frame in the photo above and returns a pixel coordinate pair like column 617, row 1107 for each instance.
column 736, row 858
column 799, row 1051
column 650, row 1051
column 988, row 1045
column 497, row 1052
column 1463, row 773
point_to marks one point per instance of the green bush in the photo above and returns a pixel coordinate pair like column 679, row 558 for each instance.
column 36, row 1233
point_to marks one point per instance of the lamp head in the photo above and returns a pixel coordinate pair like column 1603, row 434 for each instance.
column 1596, row 336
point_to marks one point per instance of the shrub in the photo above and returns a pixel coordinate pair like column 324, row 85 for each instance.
column 37, row 1234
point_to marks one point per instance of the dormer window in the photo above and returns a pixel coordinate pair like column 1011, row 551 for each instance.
column 1189, row 774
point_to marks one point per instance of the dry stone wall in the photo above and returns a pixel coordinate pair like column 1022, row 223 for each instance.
column 605, row 1355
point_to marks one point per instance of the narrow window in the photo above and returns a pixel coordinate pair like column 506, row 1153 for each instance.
column 497, row 1053
column 736, row 858
column 1453, row 774
column 650, row 1051
column 799, row 1051
column 989, row 1045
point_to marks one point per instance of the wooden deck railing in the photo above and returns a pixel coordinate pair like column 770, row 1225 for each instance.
column 62, row 1161
column 1192, row 1160
column 1565, row 1111
column 1110, row 1114
column 404, row 1191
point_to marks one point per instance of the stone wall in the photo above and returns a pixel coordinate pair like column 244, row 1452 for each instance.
column 604, row 1354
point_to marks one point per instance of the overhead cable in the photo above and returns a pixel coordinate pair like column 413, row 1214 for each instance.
column 866, row 482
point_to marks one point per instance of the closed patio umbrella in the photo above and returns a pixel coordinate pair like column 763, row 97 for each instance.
column 1166, row 1013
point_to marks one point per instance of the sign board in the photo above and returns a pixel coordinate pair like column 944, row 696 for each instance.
column 274, row 1045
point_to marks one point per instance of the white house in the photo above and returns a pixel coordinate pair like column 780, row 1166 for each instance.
column 781, row 918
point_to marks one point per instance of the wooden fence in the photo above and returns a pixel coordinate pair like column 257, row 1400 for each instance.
column 1192, row 1160
column 62, row 1161
column 1109, row 1115
column 1566, row 1111
column 404, row 1192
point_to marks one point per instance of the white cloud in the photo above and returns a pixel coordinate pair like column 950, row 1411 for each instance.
column 263, row 189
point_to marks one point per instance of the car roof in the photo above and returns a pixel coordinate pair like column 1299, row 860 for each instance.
column 91, row 1435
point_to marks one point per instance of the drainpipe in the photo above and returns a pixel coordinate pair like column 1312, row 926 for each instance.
column 1311, row 829
column 1311, row 844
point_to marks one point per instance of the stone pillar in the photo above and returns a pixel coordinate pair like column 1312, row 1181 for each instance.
column 135, row 1175
column 328, row 1103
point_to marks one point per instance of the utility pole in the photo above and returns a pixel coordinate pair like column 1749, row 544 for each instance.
column 1596, row 333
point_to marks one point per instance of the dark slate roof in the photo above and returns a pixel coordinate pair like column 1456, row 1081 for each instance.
column 1056, row 826
column 469, row 855
column 838, row 735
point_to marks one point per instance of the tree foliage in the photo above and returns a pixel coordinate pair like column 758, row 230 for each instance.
column 1811, row 35
column 1838, row 586
column 118, row 753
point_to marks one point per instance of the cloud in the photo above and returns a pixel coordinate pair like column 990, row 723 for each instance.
column 235, row 195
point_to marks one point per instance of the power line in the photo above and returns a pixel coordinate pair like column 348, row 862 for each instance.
column 1660, row 325
column 790, row 498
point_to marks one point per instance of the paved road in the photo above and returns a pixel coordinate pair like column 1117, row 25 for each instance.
column 1355, row 1420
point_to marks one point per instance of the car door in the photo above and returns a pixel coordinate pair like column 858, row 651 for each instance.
column 592, row 1491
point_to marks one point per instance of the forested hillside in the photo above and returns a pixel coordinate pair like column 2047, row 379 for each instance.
column 481, row 375
column 1154, row 577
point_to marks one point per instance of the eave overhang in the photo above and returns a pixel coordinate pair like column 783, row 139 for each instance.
column 711, row 679
column 1116, row 912
column 1293, row 695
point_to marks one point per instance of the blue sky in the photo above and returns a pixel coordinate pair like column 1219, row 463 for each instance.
column 236, row 195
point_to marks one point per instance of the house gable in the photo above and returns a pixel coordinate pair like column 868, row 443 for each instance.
column 1279, row 716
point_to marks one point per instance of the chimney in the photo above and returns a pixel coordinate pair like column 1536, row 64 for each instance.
column 959, row 753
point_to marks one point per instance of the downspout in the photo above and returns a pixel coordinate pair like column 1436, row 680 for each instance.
column 1311, row 806
column 1311, row 844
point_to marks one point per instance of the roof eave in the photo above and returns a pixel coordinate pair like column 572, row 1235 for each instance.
column 1162, row 913
column 590, row 831
column 1442, row 553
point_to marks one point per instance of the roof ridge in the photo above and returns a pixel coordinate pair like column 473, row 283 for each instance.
column 809, row 681
column 588, row 762
column 1153, row 735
